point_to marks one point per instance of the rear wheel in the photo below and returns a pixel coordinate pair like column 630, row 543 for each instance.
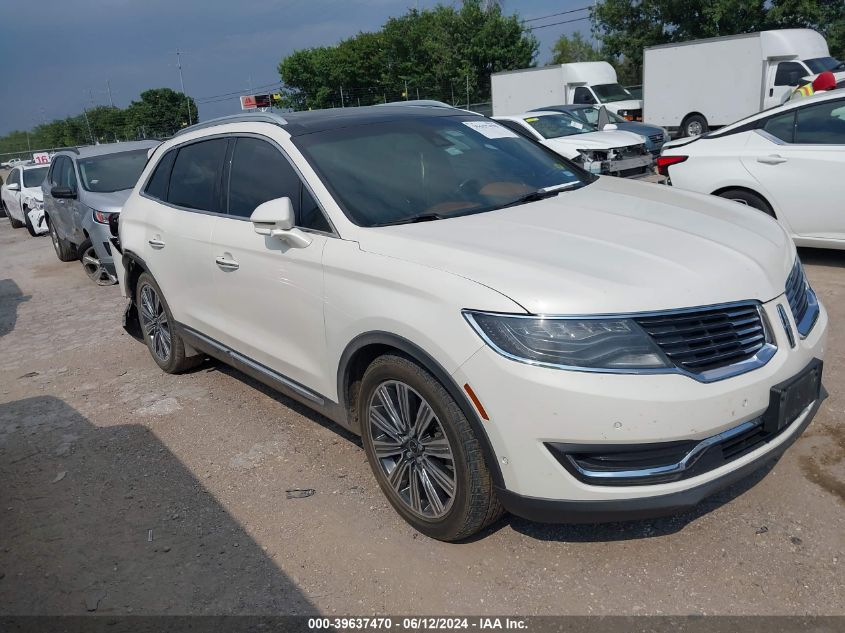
column 93, row 267
column 695, row 125
column 749, row 199
column 64, row 249
column 164, row 342
column 423, row 451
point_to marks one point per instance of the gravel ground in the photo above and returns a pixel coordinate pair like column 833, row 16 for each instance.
column 126, row 490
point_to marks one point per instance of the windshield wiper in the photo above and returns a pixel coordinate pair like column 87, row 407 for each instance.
column 422, row 217
column 541, row 194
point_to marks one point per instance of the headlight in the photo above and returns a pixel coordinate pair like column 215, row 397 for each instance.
column 610, row 344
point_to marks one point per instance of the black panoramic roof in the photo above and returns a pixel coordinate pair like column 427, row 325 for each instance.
column 308, row 122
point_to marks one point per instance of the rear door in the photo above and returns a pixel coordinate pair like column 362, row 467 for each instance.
column 799, row 159
column 183, row 198
column 270, row 294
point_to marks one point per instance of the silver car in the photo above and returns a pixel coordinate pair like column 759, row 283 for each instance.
column 83, row 189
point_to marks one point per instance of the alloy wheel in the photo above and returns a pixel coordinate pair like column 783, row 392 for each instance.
column 95, row 270
column 54, row 237
column 155, row 324
column 412, row 449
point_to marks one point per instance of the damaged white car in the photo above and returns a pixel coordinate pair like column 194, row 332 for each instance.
column 610, row 152
column 22, row 198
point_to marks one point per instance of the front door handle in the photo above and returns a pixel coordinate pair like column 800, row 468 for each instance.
column 227, row 264
column 772, row 159
column 156, row 243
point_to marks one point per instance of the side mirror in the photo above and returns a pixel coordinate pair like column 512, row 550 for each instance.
column 62, row 192
column 275, row 218
column 13, row 187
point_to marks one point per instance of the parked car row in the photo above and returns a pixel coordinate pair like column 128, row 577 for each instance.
column 73, row 198
column 503, row 328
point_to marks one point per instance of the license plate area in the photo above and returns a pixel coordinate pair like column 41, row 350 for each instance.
column 788, row 399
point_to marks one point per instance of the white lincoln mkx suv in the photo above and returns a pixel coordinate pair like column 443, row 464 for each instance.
column 504, row 330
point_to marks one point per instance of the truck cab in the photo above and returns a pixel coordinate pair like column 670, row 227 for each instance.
column 594, row 83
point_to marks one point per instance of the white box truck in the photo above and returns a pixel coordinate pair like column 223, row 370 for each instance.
column 517, row 91
column 703, row 84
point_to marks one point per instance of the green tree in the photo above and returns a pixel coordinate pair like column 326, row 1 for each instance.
column 437, row 53
column 575, row 48
column 160, row 112
column 825, row 16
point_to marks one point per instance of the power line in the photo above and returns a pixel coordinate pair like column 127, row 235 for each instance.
column 542, row 26
column 554, row 15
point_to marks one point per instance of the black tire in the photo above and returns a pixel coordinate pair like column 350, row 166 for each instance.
column 175, row 360
column 26, row 221
column 473, row 504
column 695, row 125
column 15, row 223
column 749, row 199
column 64, row 249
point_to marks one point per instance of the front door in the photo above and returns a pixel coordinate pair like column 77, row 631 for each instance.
column 783, row 78
column 269, row 293
column 800, row 163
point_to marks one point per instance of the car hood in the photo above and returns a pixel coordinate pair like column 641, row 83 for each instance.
column 597, row 140
column 639, row 128
column 613, row 246
column 32, row 193
column 111, row 202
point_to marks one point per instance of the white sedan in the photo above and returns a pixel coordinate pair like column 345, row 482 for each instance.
column 611, row 151
column 22, row 198
column 788, row 161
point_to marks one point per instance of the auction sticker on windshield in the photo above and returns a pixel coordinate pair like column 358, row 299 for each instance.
column 491, row 129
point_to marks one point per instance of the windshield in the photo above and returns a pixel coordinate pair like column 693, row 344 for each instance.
column 557, row 125
column 608, row 93
column 430, row 167
column 112, row 172
column 821, row 64
column 34, row 177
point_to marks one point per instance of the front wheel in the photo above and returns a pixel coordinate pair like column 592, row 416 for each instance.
column 423, row 451
column 93, row 267
column 165, row 344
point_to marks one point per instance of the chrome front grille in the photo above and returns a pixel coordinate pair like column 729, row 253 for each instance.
column 656, row 138
column 710, row 338
column 796, row 292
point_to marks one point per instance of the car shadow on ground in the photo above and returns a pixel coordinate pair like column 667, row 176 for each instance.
column 10, row 297
column 106, row 520
column 639, row 529
column 829, row 257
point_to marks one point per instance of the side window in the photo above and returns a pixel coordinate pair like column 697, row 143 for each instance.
column 158, row 183
column 789, row 74
column 821, row 124
column 583, row 96
column 195, row 178
column 259, row 173
column 56, row 171
column 781, row 126
column 14, row 177
column 311, row 215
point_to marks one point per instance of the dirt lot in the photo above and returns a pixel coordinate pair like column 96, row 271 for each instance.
column 126, row 490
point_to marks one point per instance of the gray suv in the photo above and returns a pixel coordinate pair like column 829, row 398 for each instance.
column 83, row 189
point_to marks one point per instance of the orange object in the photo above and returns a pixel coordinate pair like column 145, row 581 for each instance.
column 476, row 402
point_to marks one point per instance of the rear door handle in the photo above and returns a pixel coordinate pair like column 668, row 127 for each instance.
column 227, row 264
column 773, row 159
column 156, row 243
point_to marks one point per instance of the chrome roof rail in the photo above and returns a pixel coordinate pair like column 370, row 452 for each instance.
column 251, row 117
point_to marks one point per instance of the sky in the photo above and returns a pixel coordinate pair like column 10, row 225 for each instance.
column 61, row 56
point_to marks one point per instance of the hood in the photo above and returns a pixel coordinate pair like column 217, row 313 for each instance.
column 111, row 202
column 614, row 246
column 628, row 104
column 597, row 140
column 32, row 193
column 639, row 128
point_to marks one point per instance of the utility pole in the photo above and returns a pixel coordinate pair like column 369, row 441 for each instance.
column 88, row 123
column 182, row 84
column 467, row 91
column 406, row 90
column 341, row 98
column 108, row 89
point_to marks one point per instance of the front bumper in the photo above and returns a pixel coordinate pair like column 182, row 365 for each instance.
column 601, row 511
column 531, row 407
